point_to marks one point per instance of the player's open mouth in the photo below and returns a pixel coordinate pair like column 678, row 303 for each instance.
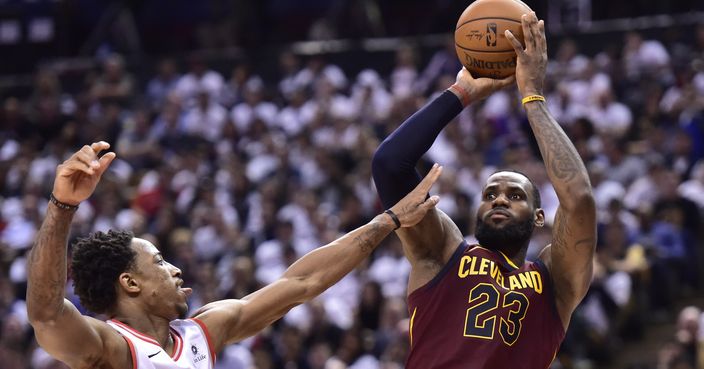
column 186, row 291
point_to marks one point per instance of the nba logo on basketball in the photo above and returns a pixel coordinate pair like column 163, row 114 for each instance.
column 491, row 34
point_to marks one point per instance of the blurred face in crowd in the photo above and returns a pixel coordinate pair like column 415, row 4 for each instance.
column 506, row 215
column 167, row 69
column 113, row 69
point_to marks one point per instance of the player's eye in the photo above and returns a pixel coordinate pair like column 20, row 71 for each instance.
column 489, row 196
column 516, row 197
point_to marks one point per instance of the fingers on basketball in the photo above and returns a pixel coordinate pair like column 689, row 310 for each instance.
column 514, row 42
column 527, row 34
column 541, row 30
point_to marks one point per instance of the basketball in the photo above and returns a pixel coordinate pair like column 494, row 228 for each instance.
column 480, row 41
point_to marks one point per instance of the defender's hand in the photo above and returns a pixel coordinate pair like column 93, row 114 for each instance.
column 77, row 177
column 532, row 61
column 480, row 88
column 412, row 208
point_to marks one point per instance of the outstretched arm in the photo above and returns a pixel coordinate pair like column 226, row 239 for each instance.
column 60, row 329
column 234, row 320
column 394, row 162
column 569, row 258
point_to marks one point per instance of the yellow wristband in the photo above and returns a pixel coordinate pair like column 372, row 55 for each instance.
column 530, row 98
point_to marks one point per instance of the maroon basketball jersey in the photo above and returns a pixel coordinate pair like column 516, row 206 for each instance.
column 482, row 312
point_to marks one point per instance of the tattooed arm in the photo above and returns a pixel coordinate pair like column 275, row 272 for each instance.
column 569, row 258
column 61, row 330
column 233, row 320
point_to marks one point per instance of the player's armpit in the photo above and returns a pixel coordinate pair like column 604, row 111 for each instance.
column 81, row 341
column 429, row 245
column 222, row 318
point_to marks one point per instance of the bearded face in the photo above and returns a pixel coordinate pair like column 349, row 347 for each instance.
column 507, row 213
column 513, row 232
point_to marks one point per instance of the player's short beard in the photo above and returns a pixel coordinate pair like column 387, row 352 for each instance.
column 182, row 311
column 511, row 237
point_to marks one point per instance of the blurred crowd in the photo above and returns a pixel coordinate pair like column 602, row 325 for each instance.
column 234, row 177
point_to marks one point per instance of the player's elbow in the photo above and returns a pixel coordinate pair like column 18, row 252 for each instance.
column 305, row 288
column 382, row 162
column 312, row 288
column 41, row 315
column 37, row 318
column 580, row 200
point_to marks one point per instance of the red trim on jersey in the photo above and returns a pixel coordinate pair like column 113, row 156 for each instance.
column 133, row 354
column 207, row 337
column 178, row 341
column 178, row 344
column 137, row 333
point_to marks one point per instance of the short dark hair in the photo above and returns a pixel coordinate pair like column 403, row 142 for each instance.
column 536, row 192
column 97, row 262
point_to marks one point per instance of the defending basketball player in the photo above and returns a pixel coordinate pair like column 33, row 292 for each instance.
column 127, row 279
column 484, row 306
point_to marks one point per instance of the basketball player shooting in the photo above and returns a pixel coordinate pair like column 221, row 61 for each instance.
column 128, row 280
column 484, row 306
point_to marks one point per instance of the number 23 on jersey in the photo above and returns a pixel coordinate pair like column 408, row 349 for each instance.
column 491, row 310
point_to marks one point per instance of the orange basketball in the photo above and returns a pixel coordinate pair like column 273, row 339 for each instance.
column 479, row 37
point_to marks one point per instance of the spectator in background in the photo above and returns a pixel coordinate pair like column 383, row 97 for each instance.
column 163, row 84
column 405, row 72
column 206, row 118
column 444, row 62
column 371, row 99
column 693, row 189
column 289, row 67
column 199, row 79
column 645, row 57
column 234, row 90
column 253, row 107
column 610, row 117
column 114, row 84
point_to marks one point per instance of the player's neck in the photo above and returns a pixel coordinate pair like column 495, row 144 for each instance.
column 518, row 257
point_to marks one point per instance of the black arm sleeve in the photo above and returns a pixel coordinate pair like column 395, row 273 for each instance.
column 393, row 165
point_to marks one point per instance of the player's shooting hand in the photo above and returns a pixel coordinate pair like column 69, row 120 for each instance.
column 533, row 59
column 412, row 208
column 480, row 88
column 77, row 177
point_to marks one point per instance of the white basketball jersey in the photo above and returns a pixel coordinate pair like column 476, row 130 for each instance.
column 192, row 349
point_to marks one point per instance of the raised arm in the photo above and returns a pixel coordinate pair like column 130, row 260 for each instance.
column 60, row 329
column 569, row 258
column 394, row 162
column 234, row 320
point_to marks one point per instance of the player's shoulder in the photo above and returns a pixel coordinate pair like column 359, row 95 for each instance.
column 116, row 347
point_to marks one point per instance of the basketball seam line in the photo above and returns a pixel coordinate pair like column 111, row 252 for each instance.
column 476, row 19
column 483, row 51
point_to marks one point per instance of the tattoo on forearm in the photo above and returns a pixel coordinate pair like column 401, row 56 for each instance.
column 47, row 263
column 561, row 157
column 559, row 235
column 370, row 238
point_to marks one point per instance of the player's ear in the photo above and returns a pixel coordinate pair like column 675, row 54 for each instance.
column 128, row 283
column 539, row 217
